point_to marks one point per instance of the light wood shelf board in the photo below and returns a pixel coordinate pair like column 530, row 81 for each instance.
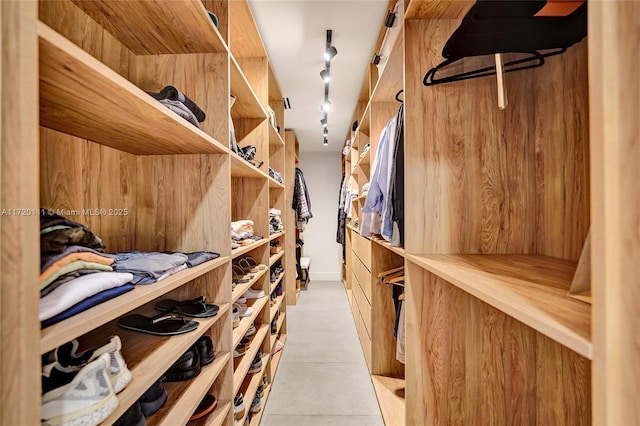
column 390, row 392
column 275, row 359
column 245, row 249
column 158, row 27
column 247, row 104
column 530, row 288
column 276, row 235
column 241, row 329
column 184, row 397
column 240, row 289
column 77, row 325
column 391, row 80
column 252, row 382
column 363, row 125
column 354, row 229
column 243, row 32
column 279, row 323
column 437, row 9
column 274, row 184
column 81, row 96
column 257, row 417
column 147, row 356
column 275, row 284
column 276, row 306
column 240, row 168
column 216, row 418
column 274, row 137
column 242, row 366
column 397, row 250
column 273, row 259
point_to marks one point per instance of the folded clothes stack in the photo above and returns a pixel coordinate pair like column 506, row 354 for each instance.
column 180, row 104
column 242, row 233
column 275, row 221
column 277, row 176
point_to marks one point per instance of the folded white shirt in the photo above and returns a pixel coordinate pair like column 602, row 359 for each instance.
column 235, row 226
column 75, row 291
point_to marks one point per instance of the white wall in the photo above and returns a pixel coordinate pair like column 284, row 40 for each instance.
column 322, row 173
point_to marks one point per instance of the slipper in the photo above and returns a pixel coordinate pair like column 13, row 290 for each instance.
column 165, row 324
column 238, row 278
column 253, row 264
column 247, row 267
column 195, row 308
column 239, row 270
column 207, row 405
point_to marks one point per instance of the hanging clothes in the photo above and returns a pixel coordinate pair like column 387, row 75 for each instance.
column 342, row 216
column 301, row 201
column 397, row 183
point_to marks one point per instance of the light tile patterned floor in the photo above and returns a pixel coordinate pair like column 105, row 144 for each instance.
column 322, row 379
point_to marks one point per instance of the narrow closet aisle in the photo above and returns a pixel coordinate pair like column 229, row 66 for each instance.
column 322, row 379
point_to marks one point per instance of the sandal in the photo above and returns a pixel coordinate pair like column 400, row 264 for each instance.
column 195, row 308
column 165, row 324
column 251, row 264
column 238, row 275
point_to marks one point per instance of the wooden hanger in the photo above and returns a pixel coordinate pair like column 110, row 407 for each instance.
column 391, row 271
column 396, row 281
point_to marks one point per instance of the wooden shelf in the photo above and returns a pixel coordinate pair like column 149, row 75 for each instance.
column 437, row 9
column 81, row 96
column 252, row 382
column 243, row 363
column 240, row 168
column 274, row 137
column 354, row 229
column 279, row 323
column 154, row 28
column 391, row 80
column 275, row 184
column 257, row 417
column 245, row 249
column 276, row 306
column 363, row 125
column 275, row 359
column 276, row 235
column 247, row 104
column 84, row 322
column 390, row 392
column 240, row 289
column 273, row 259
column 147, row 356
column 184, row 397
column 243, row 32
column 532, row 289
column 275, row 284
column 216, row 418
column 241, row 329
column 384, row 243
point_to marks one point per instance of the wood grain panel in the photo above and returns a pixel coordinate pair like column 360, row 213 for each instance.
column 250, row 200
column 437, row 9
column 254, row 132
column 615, row 253
column 480, row 366
column 19, row 237
column 256, row 72
column 392, row 79
column 363, row 275
column 362, row 249
column 245, row 40
column 221, row 9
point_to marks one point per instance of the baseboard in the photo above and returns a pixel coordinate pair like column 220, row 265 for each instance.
column 325, row 276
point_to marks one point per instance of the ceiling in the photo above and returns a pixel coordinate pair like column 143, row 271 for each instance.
column 294, row 34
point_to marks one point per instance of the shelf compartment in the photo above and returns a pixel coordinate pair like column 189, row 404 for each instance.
column 257, row 417
column 241, row 329
column 274, row 184
column 243, row 364
column 247, row 104
column 532, row 289
column 158, row 27
column 246, row 249
column 240, row 289
column 275, row 284
column 69, row 329
column 384, row 243
column 275, row 359
column 276, row 235
column 279, row 323
column 391, row 80
column 274, row 137
column 147, row 356
column 252, row 382
column 240, row 168
column 216, row 418
column 390, row 392
column 276, row 306
column 243, row 32
column 273, row 259
column 184, row 397
column 81, row 96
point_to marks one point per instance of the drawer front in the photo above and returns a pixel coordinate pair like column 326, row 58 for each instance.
column 363, row 276
column 362, row 249
column 363, row 306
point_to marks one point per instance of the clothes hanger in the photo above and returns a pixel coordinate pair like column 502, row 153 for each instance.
column 390, row 271
column 385, row 280
column 398, row 96
column 396, row 281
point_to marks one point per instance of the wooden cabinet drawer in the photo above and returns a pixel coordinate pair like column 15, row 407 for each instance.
column 362, row 249
column 363, row 276
column 363, row 306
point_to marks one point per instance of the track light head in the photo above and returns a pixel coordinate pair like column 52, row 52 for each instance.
column 324, row 74
column 326, row 133
column 326, row 106
column 326, row 142
column 324, row 122
column 330, row 53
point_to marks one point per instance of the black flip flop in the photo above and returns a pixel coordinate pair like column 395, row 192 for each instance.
column 195, row 308
column 165, row 324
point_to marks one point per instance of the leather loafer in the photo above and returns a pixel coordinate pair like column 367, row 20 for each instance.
column 205, row 349
column 153, row 399
column 185, row 368
column 132, row 417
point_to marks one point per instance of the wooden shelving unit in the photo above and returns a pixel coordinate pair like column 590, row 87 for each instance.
column 275, row 184
column 241, row 329
column 384, row 243
column 275, row 284
column 218, row 417
column 390, row 392
column 276, row 235
column 275, row 359
column 240, row 168
column 243, row 363
column 279, row 323
column 274, row 258
column 240, row 289
column 235, row 253
column 276, row 307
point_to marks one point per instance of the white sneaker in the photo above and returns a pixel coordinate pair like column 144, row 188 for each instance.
column 235, row 317
column 244, row 310
column 87, row 400
column 254, row 294
column 69, row 359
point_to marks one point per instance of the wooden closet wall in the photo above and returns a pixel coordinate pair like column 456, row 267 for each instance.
column 165, row 185
column 497, row 208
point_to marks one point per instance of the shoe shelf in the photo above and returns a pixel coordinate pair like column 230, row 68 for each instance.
column 390, row 393
column 252, row 381
column 276, row 235
column 81, row 96
column 274, row 137
column 216, row 418
column 279, row 323
column 274, row 184
column 240, row 168
column 276, row 306
column 273, row 259
column 246, row 249
column 530, row 288
column 240, row 289
column 384, row 243
column 242, row 364
column 275, row 284
column 241, row 329
column 247, row 104
column 71, row 328
column 154, row 28
column 275, row 358
column 183, row 397
column 257, row 417
column 148, row 356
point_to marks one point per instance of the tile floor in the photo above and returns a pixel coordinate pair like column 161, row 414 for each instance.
column 322, row 379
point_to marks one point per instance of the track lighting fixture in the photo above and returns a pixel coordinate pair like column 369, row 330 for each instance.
column 324, row 122
column 330, row 53
column 326, row 106
column 326, row 142
column 325, row 75
column 326, row 133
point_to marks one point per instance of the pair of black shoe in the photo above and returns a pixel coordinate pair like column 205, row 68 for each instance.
column 149, row 403
column 189, row 364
